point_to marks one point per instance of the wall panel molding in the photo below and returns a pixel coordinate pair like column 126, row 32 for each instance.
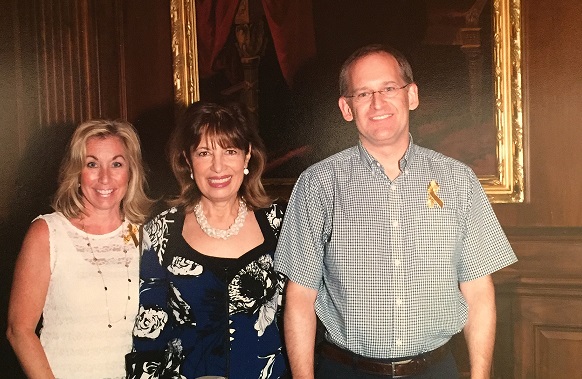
column 539, row 301
column 555, row 346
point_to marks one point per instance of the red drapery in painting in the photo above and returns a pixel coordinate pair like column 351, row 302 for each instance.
column 290, row 23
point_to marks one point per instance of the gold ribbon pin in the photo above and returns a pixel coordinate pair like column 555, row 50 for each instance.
column 433, row 199
column 131, row 234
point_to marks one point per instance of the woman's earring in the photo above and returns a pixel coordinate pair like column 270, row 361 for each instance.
column 246, row 171
column 191, row 176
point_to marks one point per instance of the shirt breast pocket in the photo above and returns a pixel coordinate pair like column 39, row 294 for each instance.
column 436, row 232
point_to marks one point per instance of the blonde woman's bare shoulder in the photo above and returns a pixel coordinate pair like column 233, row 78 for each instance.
column 36, row 240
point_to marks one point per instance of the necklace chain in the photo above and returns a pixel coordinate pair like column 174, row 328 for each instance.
column 221, row 233
column 100, row 272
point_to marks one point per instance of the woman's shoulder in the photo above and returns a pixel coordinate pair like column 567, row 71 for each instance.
column 39, row 229
column 162, row 223
column 50, row 217
column 274, row 214
column 276, row 209
column 55, row 221
column 35, row 248
column 167, row 215
column 156, row 232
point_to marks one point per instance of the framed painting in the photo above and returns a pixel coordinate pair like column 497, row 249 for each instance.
column 466, row 56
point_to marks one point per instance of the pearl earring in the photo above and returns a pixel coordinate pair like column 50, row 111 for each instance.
column 192, row 176
column 246, row 171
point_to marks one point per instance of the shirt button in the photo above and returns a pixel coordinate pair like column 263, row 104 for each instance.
column 397, row 262
column 395, row 224
column 398, row 301
column 399, row 342
column 393, row 187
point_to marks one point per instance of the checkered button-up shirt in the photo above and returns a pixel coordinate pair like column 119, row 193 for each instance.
column 385, row 258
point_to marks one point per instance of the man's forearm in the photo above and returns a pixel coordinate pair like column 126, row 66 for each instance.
column 480, row 328
column 300, row 323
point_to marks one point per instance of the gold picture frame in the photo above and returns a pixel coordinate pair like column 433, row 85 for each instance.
column 505, row 186
column 508, row 185
column 184, row 51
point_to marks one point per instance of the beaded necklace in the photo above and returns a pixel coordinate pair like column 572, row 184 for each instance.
column 131, row 235
column 221, row 233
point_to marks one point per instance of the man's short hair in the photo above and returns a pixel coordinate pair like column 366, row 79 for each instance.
column 405, row 68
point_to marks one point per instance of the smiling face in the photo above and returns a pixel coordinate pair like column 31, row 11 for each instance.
column 381, row 121
column 218, row 171
column 105, row 174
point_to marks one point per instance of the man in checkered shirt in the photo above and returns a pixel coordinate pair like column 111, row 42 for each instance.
column 390, row 244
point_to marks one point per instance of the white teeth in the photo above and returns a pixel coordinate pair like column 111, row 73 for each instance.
column 381, row 117
column 222, row 180
column 105, row 192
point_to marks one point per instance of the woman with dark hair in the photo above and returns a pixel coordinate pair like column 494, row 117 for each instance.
column 78, row 266
column 210, row 299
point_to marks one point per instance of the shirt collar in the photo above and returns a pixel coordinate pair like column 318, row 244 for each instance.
column 375, row 166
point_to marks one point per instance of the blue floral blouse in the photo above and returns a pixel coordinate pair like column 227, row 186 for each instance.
column 201, row 315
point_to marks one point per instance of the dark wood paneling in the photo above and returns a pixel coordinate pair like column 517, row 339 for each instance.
column 104, row 54
column 147, row 57
column 540, row 306
column 556, row 350
column 548, row 337
column 149, row 84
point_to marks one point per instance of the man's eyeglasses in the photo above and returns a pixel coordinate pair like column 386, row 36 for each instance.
column 386, row 93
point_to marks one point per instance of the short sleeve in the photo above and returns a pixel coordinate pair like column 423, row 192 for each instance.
column 485, row 245
column 300, row 249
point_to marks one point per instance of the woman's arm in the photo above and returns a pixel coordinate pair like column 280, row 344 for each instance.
column 153, row 332
column 27, row 298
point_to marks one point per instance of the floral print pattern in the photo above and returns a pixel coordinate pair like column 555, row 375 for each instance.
column 253, row 286
column 183, row 266
column 150, row 322
column 181, row 310
column 157, row 230
column 275, row 217
column 165, row 365
column 225, row 319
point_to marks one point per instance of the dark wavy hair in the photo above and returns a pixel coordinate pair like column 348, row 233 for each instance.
column 229, row 125
column 405, row 68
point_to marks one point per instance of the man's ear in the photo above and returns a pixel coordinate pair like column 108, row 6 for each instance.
column 413, row 96
column 345, row 109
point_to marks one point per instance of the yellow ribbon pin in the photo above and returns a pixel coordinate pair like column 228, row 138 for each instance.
column 132, row 231
column 433, row 199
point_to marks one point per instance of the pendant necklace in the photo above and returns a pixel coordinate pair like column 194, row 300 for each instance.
column 100, row 272
column 221, row 233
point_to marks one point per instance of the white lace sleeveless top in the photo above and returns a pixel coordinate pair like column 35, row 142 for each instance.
column 75, row 335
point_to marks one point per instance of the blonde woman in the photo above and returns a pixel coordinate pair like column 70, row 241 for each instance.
column 78, row 267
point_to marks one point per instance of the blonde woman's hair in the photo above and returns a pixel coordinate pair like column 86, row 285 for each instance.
column 68, row 199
